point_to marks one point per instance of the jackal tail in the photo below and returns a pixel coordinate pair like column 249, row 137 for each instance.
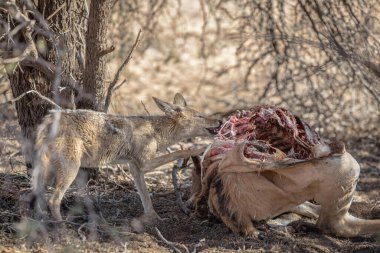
column 41, row 162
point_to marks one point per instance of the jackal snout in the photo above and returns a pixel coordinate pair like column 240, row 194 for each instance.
column 191, row 121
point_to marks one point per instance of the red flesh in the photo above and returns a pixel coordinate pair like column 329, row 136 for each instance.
column 274, row 128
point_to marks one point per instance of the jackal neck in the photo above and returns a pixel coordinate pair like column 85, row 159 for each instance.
column 167, row 131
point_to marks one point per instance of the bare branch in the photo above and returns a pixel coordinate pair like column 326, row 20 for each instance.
column 119, row 85
column 107, row 51
column 32, row 92
column 146, row 110
column 26, row 25
column 55, row 12
column 50, row 71
column 164, row 159
column 171, row 244
column 116, row 79
column 161, row 160
column 181, row 164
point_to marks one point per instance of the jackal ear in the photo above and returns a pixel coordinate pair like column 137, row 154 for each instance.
column 179, row 100
column 168, row 108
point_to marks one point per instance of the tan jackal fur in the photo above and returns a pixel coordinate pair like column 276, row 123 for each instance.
column 68, row 139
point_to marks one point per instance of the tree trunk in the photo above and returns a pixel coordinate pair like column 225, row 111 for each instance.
column 67, row 19
column 94, row 74
column 96, row 55
column 31, row 108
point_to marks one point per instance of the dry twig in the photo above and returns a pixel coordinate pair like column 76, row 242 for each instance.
column 26, row 24
column 106, row 51
column 171, row 244
column 34, row 92
column 146, row 110
column 122, row 66
column 29, row 57
column 181, row 164
column 164, row 159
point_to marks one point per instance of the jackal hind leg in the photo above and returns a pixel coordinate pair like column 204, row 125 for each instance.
column 66, row 171
column 150, row 215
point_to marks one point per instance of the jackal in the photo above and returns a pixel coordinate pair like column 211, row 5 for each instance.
column 68, row 139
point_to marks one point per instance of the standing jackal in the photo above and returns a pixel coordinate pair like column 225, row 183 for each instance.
column 68, row 139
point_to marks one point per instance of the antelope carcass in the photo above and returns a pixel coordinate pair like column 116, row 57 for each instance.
column 265, row 162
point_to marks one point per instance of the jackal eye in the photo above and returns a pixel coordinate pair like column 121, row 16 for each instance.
column 200, row 116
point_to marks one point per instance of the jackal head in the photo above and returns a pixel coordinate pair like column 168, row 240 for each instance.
column 187, row 121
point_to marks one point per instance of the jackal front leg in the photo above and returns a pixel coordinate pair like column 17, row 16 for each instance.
column 150, row 214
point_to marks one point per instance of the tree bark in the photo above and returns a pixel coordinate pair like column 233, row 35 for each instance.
column 31, row 109
column 96, row 59
column 96, row 55
column 67, row 20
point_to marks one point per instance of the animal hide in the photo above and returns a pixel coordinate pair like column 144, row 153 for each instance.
column 266, row 161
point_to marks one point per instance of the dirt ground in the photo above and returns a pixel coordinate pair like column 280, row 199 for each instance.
column 115, row 202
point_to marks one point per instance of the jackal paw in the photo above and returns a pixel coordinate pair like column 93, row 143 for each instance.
column 147, row 219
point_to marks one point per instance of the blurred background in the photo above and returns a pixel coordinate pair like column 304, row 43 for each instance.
column 318, row 59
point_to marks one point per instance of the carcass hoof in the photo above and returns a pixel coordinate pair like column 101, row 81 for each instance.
column 252, row 232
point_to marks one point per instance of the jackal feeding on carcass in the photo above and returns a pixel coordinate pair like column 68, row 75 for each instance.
column 68, row 139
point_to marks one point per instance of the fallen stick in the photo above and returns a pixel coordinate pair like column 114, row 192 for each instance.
column 171, row 244
column 161, row 160
column 179, row 165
